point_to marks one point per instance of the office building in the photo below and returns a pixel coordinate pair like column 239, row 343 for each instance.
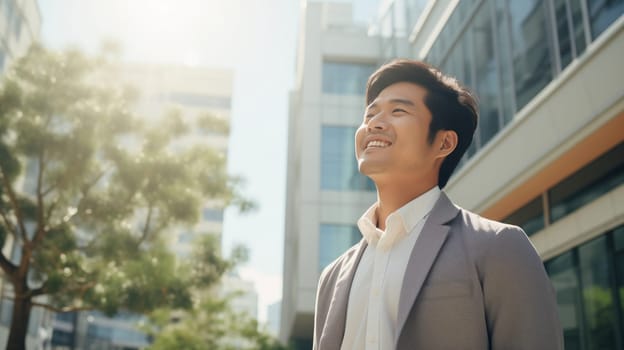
column 548, row 154
column 325, row 193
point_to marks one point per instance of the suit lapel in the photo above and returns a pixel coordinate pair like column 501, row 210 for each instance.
column 334, row 328
column 423, row 255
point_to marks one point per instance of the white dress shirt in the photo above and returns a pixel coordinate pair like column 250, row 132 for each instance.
column 374, row 297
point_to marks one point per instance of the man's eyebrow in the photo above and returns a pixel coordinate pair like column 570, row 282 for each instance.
column 394, row 101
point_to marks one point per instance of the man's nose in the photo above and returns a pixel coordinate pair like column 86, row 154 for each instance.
column 377, row 122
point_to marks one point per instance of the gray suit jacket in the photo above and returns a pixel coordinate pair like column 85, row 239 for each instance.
column 470, row 283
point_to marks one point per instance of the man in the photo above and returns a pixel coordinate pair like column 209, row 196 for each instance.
column 427, row 274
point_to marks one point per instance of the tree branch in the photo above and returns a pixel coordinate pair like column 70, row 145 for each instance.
column 7, row 266
column 49, row 211
column 40, row 231
column 146, row 227
column 9, row 225
column 16, row 208
column 61, row 309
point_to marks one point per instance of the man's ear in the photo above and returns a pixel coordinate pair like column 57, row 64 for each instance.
column 446, row 143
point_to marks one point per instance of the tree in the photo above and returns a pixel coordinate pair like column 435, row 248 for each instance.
column 211, row 324
column 89, row 191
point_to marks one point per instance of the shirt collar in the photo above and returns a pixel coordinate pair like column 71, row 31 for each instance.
column 399, row 223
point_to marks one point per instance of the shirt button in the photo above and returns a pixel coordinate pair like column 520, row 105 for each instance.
column 376, row 292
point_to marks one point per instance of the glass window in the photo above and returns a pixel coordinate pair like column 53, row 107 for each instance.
column 346, row 78
column 602, row 13
column 597, row 294
column 563, row 274
column 339, row 169
column 618, row 245
column 335, row 240
column 577, row 26
column 486, row 73
column 530, row 217
column 62, row 338
column 413, row 10
column 531, row 52
column 186, row 237
column 564, row 36
column 587, row 184
column 589, row 282
column 66, row 317
column 504, row 60
column 210, row 214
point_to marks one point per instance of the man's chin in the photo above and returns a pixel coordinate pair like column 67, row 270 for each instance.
column 370, row 169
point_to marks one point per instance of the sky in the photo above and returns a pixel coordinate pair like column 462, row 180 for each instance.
column 255, row 38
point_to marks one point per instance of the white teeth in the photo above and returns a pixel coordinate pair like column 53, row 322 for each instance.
column 377, row 143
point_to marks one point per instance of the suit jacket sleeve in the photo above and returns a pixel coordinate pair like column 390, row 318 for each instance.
column 324, row 293
column 520, row 301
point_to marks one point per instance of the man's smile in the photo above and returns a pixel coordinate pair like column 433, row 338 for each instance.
column 377, row 144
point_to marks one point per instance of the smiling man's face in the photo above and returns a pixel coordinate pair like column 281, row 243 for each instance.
column 392, row 141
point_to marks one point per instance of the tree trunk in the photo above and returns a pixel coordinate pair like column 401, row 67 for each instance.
column 19, row 324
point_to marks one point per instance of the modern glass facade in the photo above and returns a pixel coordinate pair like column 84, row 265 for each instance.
column 339, row 169
column 589, row 281
column 334, row 240
column 341, row 78
column 508, row 51
column 580, row 188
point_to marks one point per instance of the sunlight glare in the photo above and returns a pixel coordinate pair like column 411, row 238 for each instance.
column 189, row 31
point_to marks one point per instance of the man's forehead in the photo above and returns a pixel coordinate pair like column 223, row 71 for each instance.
column 399, row 93
column 393, row 101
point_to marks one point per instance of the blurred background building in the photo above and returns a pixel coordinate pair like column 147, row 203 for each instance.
column 547, row 156
column 20, row 26
column 273, row 318
column 194, row 92
column 325, row 192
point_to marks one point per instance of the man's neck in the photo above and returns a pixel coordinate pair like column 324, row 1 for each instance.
column 391, row 197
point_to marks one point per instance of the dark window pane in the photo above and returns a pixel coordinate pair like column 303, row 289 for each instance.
column 211, row 214
column 503, row 20
column 597, row 294
column 487, row 83
column 62, row 338
column 532, row 58
column 335, row 240
column 339, row 169
column 563, row 32
column 587, row 184
column 563, row 274
column 602, row 13
column 578, row 27
column 346, row 78
column 618, row 238
column 530, row 217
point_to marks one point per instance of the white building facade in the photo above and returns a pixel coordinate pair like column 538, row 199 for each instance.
column 20, row 26
column 325, row 192
column 548, row 153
